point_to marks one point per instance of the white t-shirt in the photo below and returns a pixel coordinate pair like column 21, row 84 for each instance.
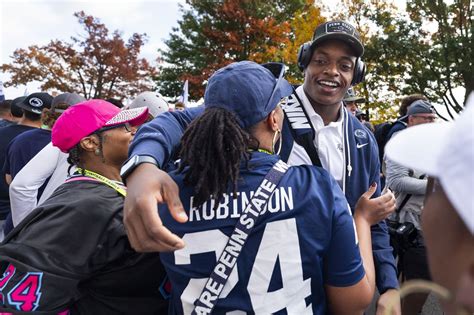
column 50, row 161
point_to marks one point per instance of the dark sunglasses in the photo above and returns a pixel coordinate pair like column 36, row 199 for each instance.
column 278, row 71
column 127, row 127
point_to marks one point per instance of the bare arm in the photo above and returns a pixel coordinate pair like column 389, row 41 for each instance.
column 147, row 185
column 356, row 298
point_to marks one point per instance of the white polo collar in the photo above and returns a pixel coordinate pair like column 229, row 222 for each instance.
column 315, row 117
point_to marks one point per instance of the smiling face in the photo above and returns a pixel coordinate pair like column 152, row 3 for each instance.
column 329, row 74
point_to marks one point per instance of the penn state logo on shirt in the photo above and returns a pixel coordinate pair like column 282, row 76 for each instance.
column 361, row 134
column 35, row 102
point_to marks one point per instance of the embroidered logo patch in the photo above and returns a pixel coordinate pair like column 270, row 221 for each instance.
column 36, row 102
column 359, row 133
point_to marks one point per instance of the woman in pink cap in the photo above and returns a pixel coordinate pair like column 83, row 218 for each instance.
column 72, row 254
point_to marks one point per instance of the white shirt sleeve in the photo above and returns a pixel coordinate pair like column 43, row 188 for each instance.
column 49, row 162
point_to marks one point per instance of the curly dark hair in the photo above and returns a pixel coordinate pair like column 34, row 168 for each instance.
column 213, row 146
column 50, row 116
column 74, row 158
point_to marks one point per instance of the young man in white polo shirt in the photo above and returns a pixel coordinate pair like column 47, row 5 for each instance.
column 318, row 130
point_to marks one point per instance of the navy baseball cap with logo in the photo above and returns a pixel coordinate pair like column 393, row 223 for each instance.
column 35, row 102
column 248, row 89
column 339, row 30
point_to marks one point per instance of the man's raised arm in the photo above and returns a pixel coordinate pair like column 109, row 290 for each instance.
column 153, row 148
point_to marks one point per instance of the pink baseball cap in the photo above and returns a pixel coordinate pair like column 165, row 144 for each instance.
column 82, row 119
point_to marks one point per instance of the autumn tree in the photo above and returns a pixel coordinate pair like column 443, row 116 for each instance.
column 431, row 51
column 213, row 34
column 383, row 76
column 428, row 49
column 97, row 65
column 302, row 25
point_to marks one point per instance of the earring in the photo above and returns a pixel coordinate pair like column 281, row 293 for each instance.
column 97, row 152
column 274, row 140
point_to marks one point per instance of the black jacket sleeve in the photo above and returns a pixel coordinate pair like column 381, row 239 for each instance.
column 59, row 245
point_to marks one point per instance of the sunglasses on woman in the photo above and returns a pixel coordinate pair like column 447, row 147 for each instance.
column 127, row 127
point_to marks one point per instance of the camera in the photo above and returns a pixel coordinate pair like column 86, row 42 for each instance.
column 403, row 235
column 406, row 231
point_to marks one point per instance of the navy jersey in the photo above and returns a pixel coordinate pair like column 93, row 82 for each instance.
column 160, row 139
column 303, row 240
column 23, row 148
column 6, row 135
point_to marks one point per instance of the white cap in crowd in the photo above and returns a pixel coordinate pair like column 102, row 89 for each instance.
column 445, row 151
column 154, row 101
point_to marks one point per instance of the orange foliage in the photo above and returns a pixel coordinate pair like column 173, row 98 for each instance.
column 238, row 33
column 99, row 65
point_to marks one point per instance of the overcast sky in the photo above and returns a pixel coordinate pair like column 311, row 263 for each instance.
column 29, row 22
column 37, row 22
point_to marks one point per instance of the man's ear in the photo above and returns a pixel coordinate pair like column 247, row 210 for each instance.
column 90, row 143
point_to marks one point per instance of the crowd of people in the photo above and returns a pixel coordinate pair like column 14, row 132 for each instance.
column 267, row 199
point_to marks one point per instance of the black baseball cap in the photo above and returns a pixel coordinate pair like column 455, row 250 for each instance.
column 339, row 30
column 15, row 106
column 359, row 113
column 35, row 102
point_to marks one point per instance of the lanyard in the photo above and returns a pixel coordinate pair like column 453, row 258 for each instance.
column 260, row 150
column 121, row 190
column 265, row 151
column 251, row 212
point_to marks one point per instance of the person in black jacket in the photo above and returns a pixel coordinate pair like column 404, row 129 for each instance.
column 72, row 254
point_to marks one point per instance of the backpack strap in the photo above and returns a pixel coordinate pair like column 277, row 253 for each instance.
column 301, row 129
column 407, row 197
